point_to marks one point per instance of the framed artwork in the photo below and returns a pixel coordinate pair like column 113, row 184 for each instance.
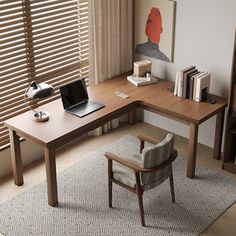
column 154, row 28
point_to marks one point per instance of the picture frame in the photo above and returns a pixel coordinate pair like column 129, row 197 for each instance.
column 155, row 28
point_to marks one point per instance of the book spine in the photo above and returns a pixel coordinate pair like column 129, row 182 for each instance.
column 184, row 85
column 194, row 87
column 191, row 85
column 195, row 84
column 198, row 90
column 203, row 84
column 176, row 84
column 180, row 85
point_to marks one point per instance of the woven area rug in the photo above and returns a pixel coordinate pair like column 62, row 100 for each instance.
column 83, row 206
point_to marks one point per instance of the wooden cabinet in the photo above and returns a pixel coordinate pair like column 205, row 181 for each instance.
column 229, row 155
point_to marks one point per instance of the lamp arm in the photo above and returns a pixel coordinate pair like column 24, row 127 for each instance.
column 26, row 103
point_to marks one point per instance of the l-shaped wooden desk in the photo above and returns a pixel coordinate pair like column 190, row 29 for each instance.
column 63, row 127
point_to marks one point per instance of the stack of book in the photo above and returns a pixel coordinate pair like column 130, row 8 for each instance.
column 141, row 81
column 192, row 84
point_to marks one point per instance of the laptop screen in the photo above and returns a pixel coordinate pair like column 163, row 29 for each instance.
column 74, row 93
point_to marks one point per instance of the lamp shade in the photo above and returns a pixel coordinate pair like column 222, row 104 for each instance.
column 37, row 91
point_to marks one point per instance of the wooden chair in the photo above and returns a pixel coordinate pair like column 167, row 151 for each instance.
column 143, row 171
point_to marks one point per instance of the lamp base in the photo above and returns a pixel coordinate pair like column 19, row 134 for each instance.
column 41, row 116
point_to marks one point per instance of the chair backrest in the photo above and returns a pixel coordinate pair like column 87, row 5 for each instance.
column 156, row 155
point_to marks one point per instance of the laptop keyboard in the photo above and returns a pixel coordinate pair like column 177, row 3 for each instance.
column 85, row 108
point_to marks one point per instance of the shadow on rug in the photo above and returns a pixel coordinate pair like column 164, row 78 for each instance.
column 83, row 202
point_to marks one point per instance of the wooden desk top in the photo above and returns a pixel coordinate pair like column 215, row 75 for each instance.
column 62, row 126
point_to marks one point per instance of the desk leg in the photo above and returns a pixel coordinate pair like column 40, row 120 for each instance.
column 192, row 150
column 50, row 163
column 16, row 158
column 218, row 134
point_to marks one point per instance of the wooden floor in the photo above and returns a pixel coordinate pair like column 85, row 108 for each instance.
column 225, row 225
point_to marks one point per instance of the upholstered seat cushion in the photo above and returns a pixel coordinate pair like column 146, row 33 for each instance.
column 124, row 174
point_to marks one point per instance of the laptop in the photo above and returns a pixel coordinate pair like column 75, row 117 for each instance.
column 76, row 101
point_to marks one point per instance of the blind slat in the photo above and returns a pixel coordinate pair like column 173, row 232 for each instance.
column 53, row 59
column 65, row 38
column 51, row 6
column 46, row 41
column 58, row 22
column 67, row 69
column 56, row 47
column 59, row 33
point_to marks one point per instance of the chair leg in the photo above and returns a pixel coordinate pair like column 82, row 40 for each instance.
column 110, row 182
column 140, row 198
column 172, row 185
column 140, row 201
column 110, row 194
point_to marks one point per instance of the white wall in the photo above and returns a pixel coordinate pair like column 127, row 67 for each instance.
column 204, row 36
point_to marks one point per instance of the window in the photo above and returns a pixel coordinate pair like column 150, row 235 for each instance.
column 43, row 41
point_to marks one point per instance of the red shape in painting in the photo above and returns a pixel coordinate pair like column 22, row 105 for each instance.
column 154, row 25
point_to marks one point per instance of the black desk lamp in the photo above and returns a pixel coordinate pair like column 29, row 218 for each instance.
column 39, row 91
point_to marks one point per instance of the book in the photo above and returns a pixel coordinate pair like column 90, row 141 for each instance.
column 186, row 79
column 181, row 79
column 191, row 83
column 195, row 82
column 176, row 84
column 141, row 81
column 180, row 84
column 202, row 87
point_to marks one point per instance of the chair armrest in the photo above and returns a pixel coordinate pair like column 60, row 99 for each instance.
column 114, row 157
column 143, row 137
column 136, row 168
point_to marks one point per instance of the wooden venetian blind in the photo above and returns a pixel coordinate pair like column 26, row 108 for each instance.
column 42, row 41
